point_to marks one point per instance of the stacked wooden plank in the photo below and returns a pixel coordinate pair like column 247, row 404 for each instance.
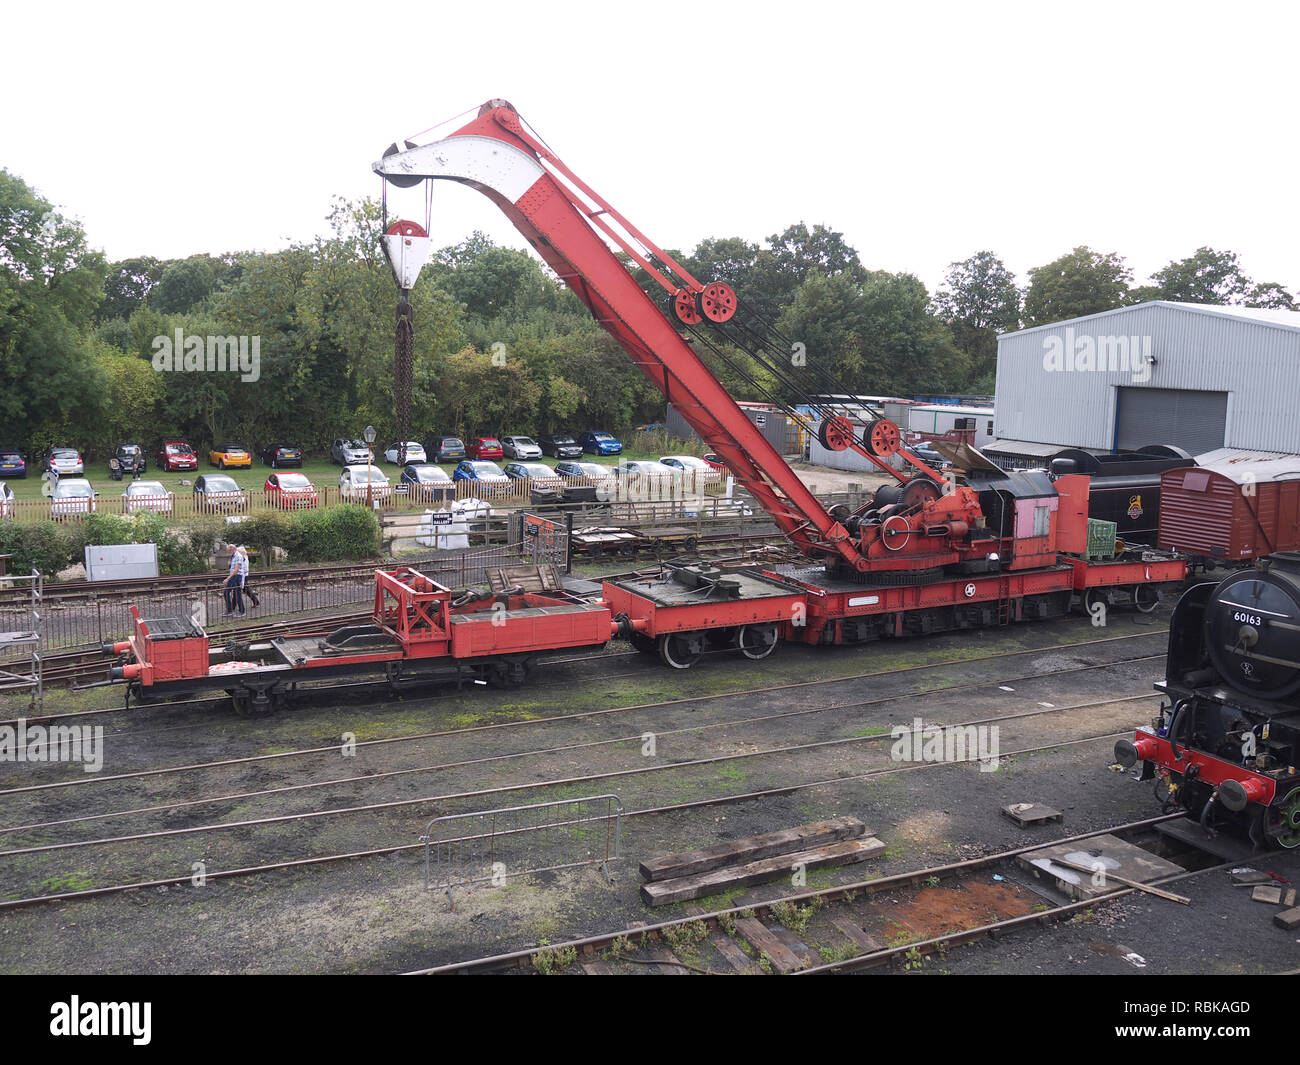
column 756, row 860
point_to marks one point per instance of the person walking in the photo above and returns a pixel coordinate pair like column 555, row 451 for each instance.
column 253, row 598
column 243, row 579
column 231, row 588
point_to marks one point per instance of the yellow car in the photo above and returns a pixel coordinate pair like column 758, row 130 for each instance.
column 226, row 457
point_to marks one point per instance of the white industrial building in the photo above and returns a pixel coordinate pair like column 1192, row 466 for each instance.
column 1199, row 377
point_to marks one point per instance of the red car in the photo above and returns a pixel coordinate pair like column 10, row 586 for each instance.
column 484, row 447
column 289, row 491
column 176, row 455
column 712, row 459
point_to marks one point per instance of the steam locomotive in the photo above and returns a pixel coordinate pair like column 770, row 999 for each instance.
column 1226, row 746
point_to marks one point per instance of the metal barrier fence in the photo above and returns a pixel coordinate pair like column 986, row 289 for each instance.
column 645, row 488
column 493, row 845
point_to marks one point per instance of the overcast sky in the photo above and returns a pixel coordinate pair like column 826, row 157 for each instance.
column 923, row 132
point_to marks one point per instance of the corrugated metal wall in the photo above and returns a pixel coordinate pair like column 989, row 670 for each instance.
column 1255, row 363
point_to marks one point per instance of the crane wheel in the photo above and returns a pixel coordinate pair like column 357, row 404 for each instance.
column 681, row 307
column 717, row 302
column 835, row 433
column 881, row 438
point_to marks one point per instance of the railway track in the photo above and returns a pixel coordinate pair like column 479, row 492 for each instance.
column 480, row 795
column 769, row 936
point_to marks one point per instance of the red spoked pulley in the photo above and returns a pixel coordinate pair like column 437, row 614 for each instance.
column 717, row 302
column 881, row 438
column 403, row 228
column 682, row 305
column 835, row 433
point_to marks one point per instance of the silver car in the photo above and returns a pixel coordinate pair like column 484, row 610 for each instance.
column 72, row 496
column 346, row 452
column 65, row 461
column 357, row 483
column 521, row 447
column 147, row 495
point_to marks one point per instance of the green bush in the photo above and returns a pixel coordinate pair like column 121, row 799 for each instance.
column 40, row 545
column 264, row 531
column 334, row 534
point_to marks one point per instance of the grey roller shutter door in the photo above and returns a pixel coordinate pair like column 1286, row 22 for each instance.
column 1194, row 421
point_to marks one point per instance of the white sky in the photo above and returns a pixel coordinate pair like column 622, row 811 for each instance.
column 923, row 132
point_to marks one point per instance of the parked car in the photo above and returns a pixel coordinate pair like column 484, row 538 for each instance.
column 128, row 461
column 595, row 442
column 12, row 463
column 227, row 455
column 217, row 493
column 521, row 447
column 635, row 469
column 427, row 484
column 148, row 495
column 175, row 456
column 290, row 491
column 559, row 446
column 65, row 461
column 6, row 500
column 73, row 495
column 486, row 477
column 543, row 485
column 484, row 447
column 344, row 452
column 594, row 474
column 277, row 455
column 928, row 455
column 444, row 449
column 715, row 460
column 359, row 484
column 689, row 463
column 414, row 454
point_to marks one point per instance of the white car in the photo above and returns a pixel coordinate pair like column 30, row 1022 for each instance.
column 689, row 463
column 414, row 454
column 357, row 483
column 6, row 500
column 147, row 495
column 521, row 447
column 66, row 462
column 635, row 468
column 350, row 452
column 73, row 495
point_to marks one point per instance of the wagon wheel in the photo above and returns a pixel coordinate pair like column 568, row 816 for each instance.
column 1091, row 597
column 511, row 674
column 692, row 544
column 881, row 438
column 1145, row 598
column 643, row 643
column 681, row 650
column 756, row 642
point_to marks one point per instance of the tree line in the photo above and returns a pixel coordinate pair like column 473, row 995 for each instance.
column 500, row 344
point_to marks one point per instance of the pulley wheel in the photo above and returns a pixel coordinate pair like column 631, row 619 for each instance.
column 404, row 228
column 682, row 307
column 717, row 302
column 403, row 181
column 881, row 438
column 835, row 433
column 919, row 490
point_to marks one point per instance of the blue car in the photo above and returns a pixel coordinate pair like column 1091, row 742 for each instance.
column 12, row 463
column 487, row 477
column 597, row 443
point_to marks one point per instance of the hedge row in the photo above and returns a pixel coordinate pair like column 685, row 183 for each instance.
column 334, row 534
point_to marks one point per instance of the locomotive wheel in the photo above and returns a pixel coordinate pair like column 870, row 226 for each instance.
column 881, row 438
column 1145, row 598
column 756, row 642
column 681, row 650
column 835, row 433
column 1282, row 821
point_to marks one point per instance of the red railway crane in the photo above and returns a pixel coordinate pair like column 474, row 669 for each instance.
column 567, row 223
